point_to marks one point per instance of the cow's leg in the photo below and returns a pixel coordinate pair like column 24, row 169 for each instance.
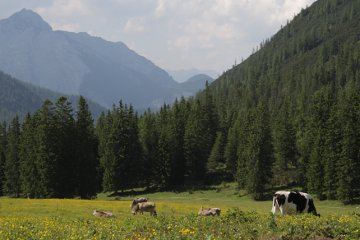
column 273, row 210
column 282, row 210
column 275, row 206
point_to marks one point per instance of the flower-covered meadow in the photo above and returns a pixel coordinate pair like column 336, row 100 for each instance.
column 73, row 219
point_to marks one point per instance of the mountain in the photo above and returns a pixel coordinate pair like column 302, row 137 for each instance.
column 291, row 110
column 298, row 60
column 184, row 75
column 77, row 63
column 194, row 84
column 17, row 97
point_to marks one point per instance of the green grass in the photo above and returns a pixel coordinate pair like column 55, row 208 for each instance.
column 241, row 217
column 224, row 196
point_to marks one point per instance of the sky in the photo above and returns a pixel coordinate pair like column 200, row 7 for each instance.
column 174, row 34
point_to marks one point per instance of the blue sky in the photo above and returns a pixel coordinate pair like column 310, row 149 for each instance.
column 174, row 34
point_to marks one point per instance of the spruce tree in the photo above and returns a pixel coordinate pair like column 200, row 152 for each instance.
column 11, row 184
column 195, row 142
column 318, row 126
column 120, row 150
column 245, row 130
column 348, row 166
column 65, row 138
column 107, row 152
column 134, row 154
column 46, row 151
column 178, row 120
column 332, row 153
column 29, row 176
column 149, row 139
column 2, row 155
column 86, row 152
column 260, row 153
column 163, row 164
column 285, row 146
column 216, row 167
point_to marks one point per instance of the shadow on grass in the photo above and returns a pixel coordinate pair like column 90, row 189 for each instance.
column 176, row 189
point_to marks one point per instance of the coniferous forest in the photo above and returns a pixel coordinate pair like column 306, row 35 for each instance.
column 289, row 115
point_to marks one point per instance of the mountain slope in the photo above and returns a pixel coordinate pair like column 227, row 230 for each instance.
column 17, row 97
column 76, row 63
column 295, row 59
column 293, row 107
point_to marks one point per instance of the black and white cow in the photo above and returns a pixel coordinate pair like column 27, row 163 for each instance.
column 290, row 202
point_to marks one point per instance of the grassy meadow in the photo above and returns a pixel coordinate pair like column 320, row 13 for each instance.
column 241, row 218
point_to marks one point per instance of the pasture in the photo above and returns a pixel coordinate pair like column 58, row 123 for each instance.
column 241, row 218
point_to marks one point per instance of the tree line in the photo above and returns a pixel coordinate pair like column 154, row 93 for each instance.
column 287, row 116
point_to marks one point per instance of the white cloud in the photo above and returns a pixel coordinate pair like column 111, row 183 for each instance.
column 275, row 11
column 66, row 8
column 134, row 25
column 192, row 30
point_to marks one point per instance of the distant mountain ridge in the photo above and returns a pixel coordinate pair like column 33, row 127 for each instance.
column 77, row 63
column 184, row 75
column 195, row 83
column 20, row 98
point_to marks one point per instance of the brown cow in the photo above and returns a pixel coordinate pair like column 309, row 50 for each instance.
column 209, row 211
column 103, row 214
column 138, row 200
column 144, row 207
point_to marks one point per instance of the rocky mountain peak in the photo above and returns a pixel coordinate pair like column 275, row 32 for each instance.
column 25, row 20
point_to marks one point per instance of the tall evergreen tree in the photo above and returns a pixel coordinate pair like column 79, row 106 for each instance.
column 318, row 125
column 255, row 153
column 231, row 148
column 29, row 176
column 216, row 167
column 2, row 155
column 178, row 121
column 107, row 152
column 65, row 137
column 163, row 163
column 86, row 152
column 332, row 153
column 245, row 123
column 261, row 153
column 195, row 142
column 121, row 149
column 285, row 146
column 46, row 149
column 349, row 163
column 11, row 183
column 149, row 138
column 134, row 154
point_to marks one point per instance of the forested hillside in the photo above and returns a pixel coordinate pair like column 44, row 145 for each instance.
column 288, row 116
column 20, row 98
column 302, row 85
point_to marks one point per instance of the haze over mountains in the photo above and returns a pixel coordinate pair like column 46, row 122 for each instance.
column 77, row 63
column 19, row 98
column 183, row 75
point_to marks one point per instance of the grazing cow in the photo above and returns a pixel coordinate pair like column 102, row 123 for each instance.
column 103, row 214
column 209, row 211
column 144, row 207
column 138, row 200
column 289, row 202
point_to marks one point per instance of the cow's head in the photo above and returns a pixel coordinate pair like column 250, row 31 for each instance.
column 134, row 209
